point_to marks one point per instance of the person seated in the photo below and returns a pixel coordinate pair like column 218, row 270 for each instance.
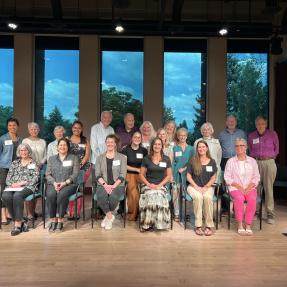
column 80, row 147
column 110, row 171
column 135, row 154
column 155, row 173
column 22, row 180
column 61, row 175
column 242, row 177
column 201, row 175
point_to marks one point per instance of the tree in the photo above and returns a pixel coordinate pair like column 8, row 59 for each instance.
column 247, row 97
column 5, row 114
column 167, row 114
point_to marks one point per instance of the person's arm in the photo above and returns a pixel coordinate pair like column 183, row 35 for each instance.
column 130, row 168
column 276, row 144
column 44, row 153
column 94, row 141
column 123, row 171
column 87, row 153
column 229, row 176
column 10, row 173
column 142, row 176
column 255, row 179
column 34, row 179
column 166, row 179
column 76, row 169
column 49, row 177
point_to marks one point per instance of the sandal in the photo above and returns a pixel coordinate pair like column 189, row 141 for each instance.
column 199, row 231
column 241, row 231
column 249, row 232
column 208, row 231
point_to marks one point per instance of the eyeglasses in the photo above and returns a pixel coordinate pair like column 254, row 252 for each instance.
column 240, row 145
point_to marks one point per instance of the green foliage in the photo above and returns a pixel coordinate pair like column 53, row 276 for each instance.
column 247, row 97
column 5, row 114
column 167, row 114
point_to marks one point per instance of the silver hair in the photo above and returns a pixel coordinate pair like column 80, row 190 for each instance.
column 260, row 118
column 106, row 112
column 152, row 131
column 181, row 130
column 23, row 146
column 128, row 114
column 59, row 128
column 33, row 124
column 207, row 125
column 241, row 140
column 231, row 116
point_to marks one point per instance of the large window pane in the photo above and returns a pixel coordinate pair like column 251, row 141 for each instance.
column 57, row 89
column 185, row 90
column 247, row 87
column 122, row 85
column 6, row 86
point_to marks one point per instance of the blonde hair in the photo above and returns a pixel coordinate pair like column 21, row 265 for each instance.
column 207, row 125
column 152, row 131
column 174, row 131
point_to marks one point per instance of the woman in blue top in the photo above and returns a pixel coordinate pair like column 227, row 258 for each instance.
column 182, row 154
column 9, row 143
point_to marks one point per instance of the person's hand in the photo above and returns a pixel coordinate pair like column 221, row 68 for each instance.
column 198, row 188
column 152, row 186
column 138, row 170
column 181, row 170
column 56, row 186
column 108, row 188
column 16, row 184
column 61, row 185
column 204, row 189
column 83, row 162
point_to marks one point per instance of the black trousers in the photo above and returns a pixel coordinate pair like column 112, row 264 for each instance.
column 57, row 202
column 3, row 175
column 14, row 200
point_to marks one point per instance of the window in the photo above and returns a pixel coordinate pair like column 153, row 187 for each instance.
column 6, row 81
column 57, row 87
column 247, row 84
column 185, row 86
column 122, row 79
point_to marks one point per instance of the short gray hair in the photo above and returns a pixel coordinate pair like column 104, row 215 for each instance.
column 241, row 140
column 106, row 112
column 23, row 146
column 59, row 128
column 33, row 124
column 207, row 125
column 260, row 118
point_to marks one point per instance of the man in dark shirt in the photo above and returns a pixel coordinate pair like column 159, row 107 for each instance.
column 126, row 131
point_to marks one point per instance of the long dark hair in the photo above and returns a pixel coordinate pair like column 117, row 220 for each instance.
column 82, row 137
column 196, row 164
column 151, row 151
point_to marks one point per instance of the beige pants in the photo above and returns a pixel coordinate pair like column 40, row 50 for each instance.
column 199, row 199
column 267, row 170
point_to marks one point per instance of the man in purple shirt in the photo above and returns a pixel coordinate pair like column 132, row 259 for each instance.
column 126, row 131
column 264, row 147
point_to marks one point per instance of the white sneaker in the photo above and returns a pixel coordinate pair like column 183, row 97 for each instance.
column 104, row 221
column 109, row 224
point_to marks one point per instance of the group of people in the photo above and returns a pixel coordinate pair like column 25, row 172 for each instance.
column 150, row 163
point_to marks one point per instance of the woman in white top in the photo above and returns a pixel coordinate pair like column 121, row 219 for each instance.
column 59, row 133
column 148, row 134
column 37, row 145
column 214, row 146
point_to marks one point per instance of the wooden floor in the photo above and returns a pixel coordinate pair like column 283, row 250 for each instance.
column 126, row 257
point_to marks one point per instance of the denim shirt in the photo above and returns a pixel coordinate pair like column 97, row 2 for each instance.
column 6, row 150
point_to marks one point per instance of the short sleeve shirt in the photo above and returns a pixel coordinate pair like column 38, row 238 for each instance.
column 134, row 157
column 155, row 173
column 206, row 173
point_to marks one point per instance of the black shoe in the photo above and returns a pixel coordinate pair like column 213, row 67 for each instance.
column 7, row 222
column 60, row 227
column 52, row 227
column 16, row 231
column 72, row 218
column 24, row 227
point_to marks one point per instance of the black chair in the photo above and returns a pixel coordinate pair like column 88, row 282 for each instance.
column 95, row 204
column 184, row 196
column 281, row 177
column 170, row 200
column 228, row 198
column 78, row 194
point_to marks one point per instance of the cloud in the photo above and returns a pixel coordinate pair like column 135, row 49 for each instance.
column 6, row 94
column 64, row 95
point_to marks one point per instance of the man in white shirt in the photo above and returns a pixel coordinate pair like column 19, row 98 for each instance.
column 99, row 133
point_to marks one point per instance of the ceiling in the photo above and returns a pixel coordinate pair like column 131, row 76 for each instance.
column 199, row 18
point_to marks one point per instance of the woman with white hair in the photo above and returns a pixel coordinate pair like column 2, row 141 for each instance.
column 148, row 134
column 21, row 181
column 170, row 128
column 214, row 146
column 59, row 133
column 37, row 145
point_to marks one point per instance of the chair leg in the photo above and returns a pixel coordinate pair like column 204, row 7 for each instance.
column 185, row 221
column 260, row 214
column 125, row 211
column 84, row 213
column 216, row 219
column 0, row 208
column 44, row 211
column 229, row 215
column 76, row 212
column 92, row 212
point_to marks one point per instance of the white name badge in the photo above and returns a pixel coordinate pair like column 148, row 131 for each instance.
column 116, row 162
column 172, row 144
column 256, row 141
column 146, row 145
column 162, row 164
column 8, row 142
column 209, row 168
column 31, row 166
column 67, row 163
column 82, row 145
column 178, row 153
column 139, row 155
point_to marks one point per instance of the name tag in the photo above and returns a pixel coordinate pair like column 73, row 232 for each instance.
column 67, row 163
column 178, row 153
column 146, row 145
column 116, row 162
column 162, row 164
column 172, row 144
column 209, row 168
column 8, row 142
column 256, row 141
column 31, row 166
column 82, row 145
column 139, row 155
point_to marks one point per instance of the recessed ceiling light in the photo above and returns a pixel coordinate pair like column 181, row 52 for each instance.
column 223, row 31
column 12, row 25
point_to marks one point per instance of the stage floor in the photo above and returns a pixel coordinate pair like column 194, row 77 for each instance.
column 126, row 257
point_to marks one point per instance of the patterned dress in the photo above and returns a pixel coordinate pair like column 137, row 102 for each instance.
column 80, row 150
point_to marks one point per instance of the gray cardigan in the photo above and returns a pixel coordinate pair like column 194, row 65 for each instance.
column 119, row 170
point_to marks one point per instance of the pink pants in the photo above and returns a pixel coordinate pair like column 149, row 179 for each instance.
column 238, row 200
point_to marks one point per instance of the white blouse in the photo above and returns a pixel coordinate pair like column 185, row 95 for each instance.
column 39, row 150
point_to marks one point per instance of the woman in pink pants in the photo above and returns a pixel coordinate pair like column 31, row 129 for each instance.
column 242, row 176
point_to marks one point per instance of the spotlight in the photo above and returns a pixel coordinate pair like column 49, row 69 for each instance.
column 119, row 28
column 276, row 48
column 223, row 31
column 12, row 25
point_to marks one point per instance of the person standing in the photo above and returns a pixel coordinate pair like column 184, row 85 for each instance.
column 264, row 147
